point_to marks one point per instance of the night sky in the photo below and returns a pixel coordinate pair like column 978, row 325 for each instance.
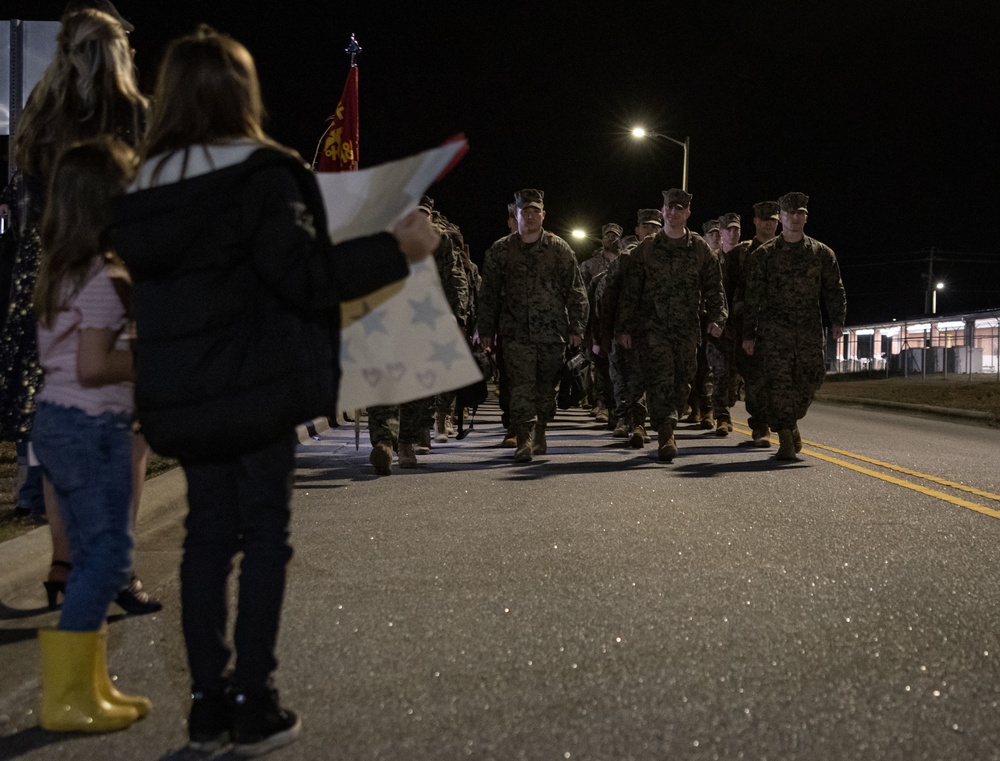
column 885, row 114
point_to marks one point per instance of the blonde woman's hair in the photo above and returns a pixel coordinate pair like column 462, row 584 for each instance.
column 75, row 225
column 88, row 90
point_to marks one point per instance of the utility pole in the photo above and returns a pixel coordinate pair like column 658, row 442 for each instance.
column 928, row 296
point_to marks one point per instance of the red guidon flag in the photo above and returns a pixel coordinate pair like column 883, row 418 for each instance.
column 338, row 148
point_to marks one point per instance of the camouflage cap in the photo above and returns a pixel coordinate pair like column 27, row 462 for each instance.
column 611, row 227
column 731, row 219
column 709, row 226
column 794, row 202
column 426, row 205
column 650, row 217
column 765, row 210
column 677, row 197
column 529, row 197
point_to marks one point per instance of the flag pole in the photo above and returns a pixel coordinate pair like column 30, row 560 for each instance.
column 352, row 49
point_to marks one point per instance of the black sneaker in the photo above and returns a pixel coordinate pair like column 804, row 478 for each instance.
column 210, row 721
column 260, row 724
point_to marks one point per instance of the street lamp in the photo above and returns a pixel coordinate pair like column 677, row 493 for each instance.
column 579, row 234
column 938, row 287
column 639, row 133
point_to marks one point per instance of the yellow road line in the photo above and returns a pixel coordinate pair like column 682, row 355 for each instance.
column 905, row 484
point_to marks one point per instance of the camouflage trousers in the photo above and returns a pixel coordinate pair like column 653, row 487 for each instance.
column 754, row 387
column 793, row 370
column 700, row 396
column 626, row 371
column 533, row 371
column 668, row 367
column 444, row 404
column 604, row 392
column 503, row 383
column 406, row 423
column 719, row 353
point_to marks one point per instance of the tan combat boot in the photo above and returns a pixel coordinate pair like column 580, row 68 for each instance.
column 761, row 437
column 424, row 445
column 441, row 428
column 538, row 443
column 621, row 429
column 601, row 415
column 786, row 445
column 666, row 446
column 722, row 427
column 637, row 438
column 381, row 458
column 797, row 438
column 509, row 439
column 523, row 443
column 708, row 420
column 407, row 455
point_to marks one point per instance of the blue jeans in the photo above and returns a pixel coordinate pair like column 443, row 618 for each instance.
column 88, row 459
column 29, row 496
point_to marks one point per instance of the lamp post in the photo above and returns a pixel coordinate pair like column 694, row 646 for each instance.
column 639, row 133
column 938, row 287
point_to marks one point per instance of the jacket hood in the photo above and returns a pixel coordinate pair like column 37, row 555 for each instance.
column 152, row 222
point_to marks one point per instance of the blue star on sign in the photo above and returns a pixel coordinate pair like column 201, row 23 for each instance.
column 345, row 352
column 424, row 311
column 374, row 322
column 446, row 354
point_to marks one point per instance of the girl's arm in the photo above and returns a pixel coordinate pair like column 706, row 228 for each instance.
column 98, row 362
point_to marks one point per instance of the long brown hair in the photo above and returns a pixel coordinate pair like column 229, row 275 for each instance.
column 207, row 91
column 74, row 227
column 88, row 90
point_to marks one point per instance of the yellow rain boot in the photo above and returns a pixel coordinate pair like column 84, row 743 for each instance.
column 105, row 687
column 70, row 699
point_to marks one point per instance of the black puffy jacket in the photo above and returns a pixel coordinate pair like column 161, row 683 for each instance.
column 237, row 294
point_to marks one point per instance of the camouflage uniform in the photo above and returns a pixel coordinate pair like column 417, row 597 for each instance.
column 600, row 261
column 721, row 351
column 601, row 394
column 533, row 297
column 410, row 423
column 667, row 280
column 754, row 387
column 626, row 372
column 786, row 286
column 700, row 398
column 493, row 260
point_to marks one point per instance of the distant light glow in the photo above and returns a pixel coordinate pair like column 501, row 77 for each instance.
column 952, row 325
column 638, row 132
column 579, row 234
column 940, row 286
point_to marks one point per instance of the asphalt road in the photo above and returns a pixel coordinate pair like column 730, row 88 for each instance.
column 596, row 604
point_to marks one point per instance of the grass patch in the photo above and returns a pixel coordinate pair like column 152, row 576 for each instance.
column 981, row 395
column 10, row 524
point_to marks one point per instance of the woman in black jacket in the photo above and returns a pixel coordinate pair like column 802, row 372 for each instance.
column 237, row 290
